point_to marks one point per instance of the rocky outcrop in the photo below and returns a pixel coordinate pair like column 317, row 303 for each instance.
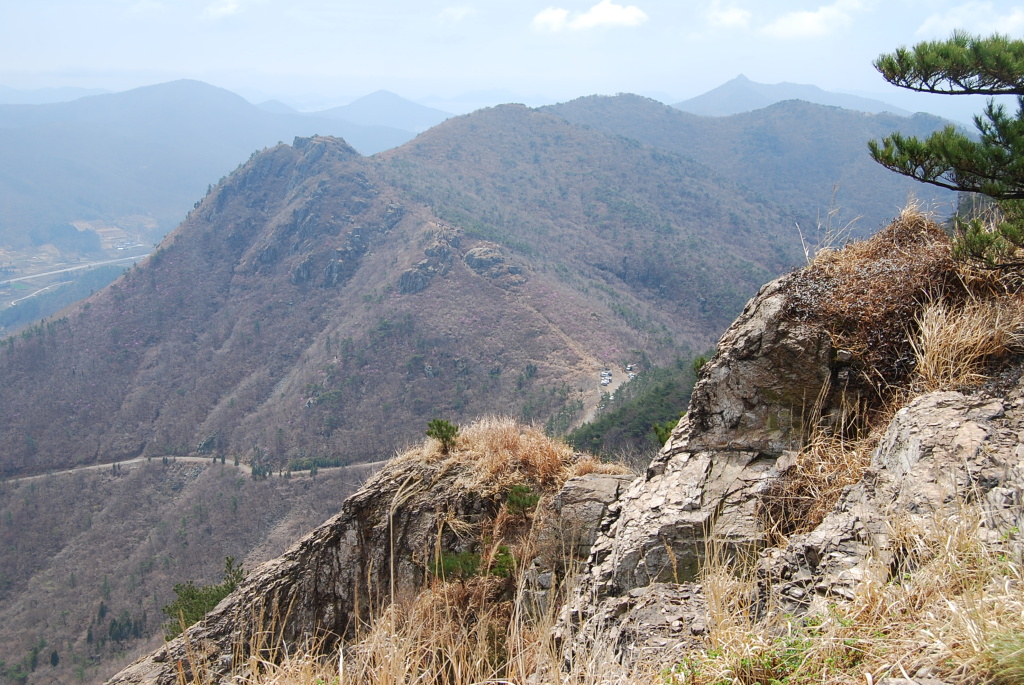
column 771, row 378
column 652, row 627
column 488, row 260
column 442, row 242
column 941, row 453
column 565, row 533
column 375, row 548
column 389, row 539
column 748, row 409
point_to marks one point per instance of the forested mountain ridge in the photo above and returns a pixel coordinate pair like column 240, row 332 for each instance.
column 662, row 223
column 491, row 265
column 796, row 154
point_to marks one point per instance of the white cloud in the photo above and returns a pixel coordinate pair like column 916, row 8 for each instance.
column 551, row 19
column 813, row 24
column 976, row 17
column 453, row 15
column 607, row 13
column 604, row 13
column 222, row 8
column 731, row 17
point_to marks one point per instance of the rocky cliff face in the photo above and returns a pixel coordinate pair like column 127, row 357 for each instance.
column 942, row 453
column 748, row 411
column 640, row 594
column 775, row 377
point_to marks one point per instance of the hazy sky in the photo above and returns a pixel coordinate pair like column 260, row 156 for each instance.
column 313, row 52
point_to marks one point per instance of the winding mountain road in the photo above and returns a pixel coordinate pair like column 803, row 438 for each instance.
column 209, row 461
column 77, row 267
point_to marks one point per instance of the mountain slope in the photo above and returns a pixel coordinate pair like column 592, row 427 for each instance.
column 660, row 222
column 320, row 303
column 793, row 152
column 94, row 549
column 743, row 95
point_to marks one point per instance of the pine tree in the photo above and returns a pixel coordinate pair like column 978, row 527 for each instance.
column 444, row 431
column 992, row 165
column 195, row 601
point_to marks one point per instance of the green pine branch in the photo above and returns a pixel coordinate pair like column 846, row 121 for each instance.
column 992, row 165
column 962, row 65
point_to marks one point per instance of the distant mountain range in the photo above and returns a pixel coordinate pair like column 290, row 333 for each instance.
column 593, row 232
column 743, row 95
column 807, row 157
column 387, row 109
column 154, row 150
column 150, row 151
column 489, row 265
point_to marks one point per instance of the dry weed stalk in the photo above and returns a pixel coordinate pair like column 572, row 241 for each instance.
column 830, row 235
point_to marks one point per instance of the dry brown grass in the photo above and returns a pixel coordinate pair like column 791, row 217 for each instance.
column 865, row 293
column 955, row 343
column 834, row 457
column 916, row 320
column 502, row 452
column 799, row 501
column 457, row 633
column 953, row 609
column 461, row 633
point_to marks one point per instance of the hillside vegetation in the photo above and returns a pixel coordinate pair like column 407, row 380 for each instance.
column 793, row 153
column 624, row 429
column 91, row 558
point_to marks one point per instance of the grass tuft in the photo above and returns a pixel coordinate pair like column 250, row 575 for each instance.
column 502, row 453
column 1006, row 656
column 954, row 344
